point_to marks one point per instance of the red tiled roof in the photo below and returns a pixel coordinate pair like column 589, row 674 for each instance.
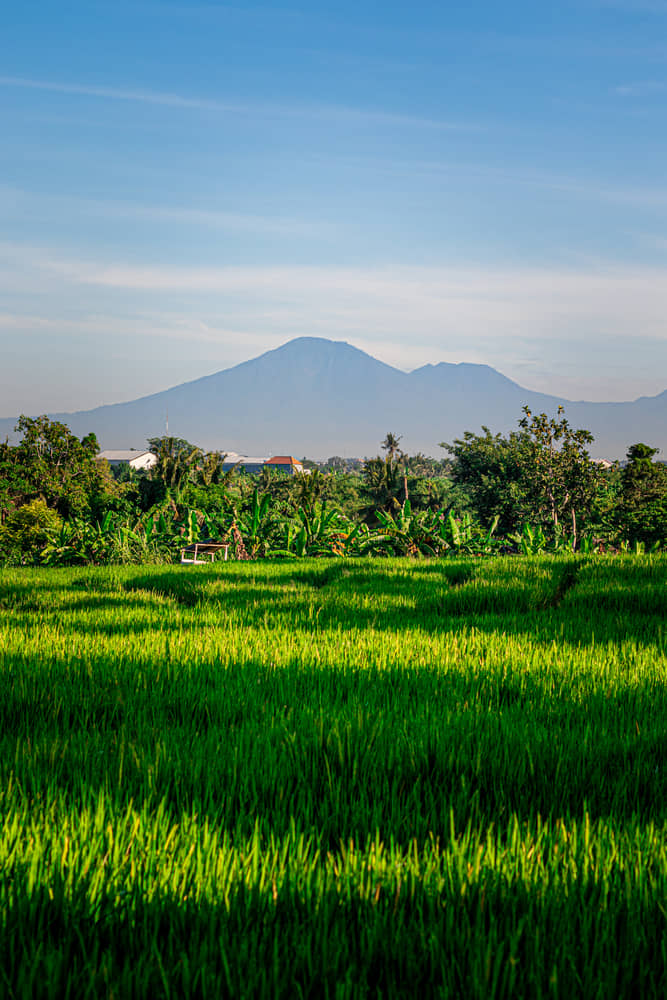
column 282, row 460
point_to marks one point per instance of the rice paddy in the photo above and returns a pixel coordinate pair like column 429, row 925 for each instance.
column 335, row 778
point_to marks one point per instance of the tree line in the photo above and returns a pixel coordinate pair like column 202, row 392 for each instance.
column 535, row 489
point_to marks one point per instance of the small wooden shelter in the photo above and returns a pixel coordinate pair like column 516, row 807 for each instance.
column 198, row 553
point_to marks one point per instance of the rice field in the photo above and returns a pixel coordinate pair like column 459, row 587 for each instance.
column 342, row 778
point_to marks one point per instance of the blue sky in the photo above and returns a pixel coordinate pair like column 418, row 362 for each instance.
column 183, row 186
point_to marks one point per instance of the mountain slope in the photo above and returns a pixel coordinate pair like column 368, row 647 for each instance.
column 319, row 397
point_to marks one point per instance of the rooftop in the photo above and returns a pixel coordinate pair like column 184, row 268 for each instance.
column 282, row 460
column 126, row 455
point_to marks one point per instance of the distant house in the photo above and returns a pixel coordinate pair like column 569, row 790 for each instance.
column 254, row 465
column 284, row 463
column 135, row 459
column 245, row 463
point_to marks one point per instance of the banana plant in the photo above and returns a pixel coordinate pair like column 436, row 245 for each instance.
column 346, row 542
column 79, row 542
column 462, row 536
column 531, row 542
column 65, row 547
column 404, row 533
column 156, row 527
column 323, row 532
column 639, row 548
column 257, row 525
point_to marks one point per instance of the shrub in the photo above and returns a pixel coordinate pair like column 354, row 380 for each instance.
column 26, row 530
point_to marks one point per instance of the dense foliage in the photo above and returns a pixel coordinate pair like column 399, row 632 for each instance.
column 644, row 495
column 328, row 778
column 535, row 490
column 541, row 474
column 52, row 465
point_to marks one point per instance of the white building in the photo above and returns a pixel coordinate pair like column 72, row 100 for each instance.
column 135, row 459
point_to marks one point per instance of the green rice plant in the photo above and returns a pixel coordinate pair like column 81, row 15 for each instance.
column 335, row 777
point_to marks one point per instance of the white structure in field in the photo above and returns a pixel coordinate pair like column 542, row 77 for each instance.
column 135, row 459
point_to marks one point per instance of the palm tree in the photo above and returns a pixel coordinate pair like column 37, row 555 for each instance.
column 381, row 486
column 175, row 461
column 306, row 489
column 390, row 445
column 210, row 469
column 394, row 454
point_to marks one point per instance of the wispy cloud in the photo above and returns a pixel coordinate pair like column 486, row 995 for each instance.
column 407, row 316
column 595, row 189
column 393, row 284
column 138, row 325
column 265, row 110
column 72, row 205
column 642, row 88
column 119, row 94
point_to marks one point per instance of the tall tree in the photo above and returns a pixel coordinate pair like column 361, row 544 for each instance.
column 644, row 496
column 209, row 469
column 560, row 476
column 488, row 469
column 390, row 446
column 306, row 488
column 52, row 464
column 382, row 486
column 541, row 473
column 176, row 462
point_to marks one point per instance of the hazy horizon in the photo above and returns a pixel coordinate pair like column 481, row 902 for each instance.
column 205, row 374
column 185, row 187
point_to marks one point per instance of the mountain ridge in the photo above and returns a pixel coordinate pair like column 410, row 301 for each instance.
column 318, row 397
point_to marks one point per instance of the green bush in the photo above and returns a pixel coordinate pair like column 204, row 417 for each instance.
column 27, row 528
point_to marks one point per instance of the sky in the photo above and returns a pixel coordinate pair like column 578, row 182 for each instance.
column 184, row 186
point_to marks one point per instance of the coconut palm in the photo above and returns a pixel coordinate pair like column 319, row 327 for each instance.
column 176, row 461
column 390, row 445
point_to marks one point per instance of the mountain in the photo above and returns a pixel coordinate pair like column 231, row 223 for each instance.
column 319, row 397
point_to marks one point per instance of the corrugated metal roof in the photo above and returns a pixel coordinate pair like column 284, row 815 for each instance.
column 126, row 455
column 233, row 458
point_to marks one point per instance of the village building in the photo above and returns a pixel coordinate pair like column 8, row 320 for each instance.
column 245, row 463
column 252, row 465
column 138, row 460
column 284, row 463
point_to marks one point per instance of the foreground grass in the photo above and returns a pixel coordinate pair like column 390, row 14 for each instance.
column 335, row 779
